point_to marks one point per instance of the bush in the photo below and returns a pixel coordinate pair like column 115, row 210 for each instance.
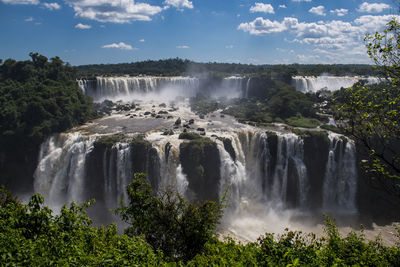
column 178, row 228
column 189, row 136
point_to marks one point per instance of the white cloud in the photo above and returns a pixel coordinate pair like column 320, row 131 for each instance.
column 21, row 2
column 340, row 12
column 341, row 40
column 261, row 7
column 82, row 26
column 182, row 47
column 308, row 58
column 116, row 11
column 282, row 6
column 301, row 0
column 120, row 45
column 372, row 7
column 318, row 10
column 52, row 6
column 229, row 46
column 261, row 26
column 29, row 19
column 179, row 4
column 142, row 40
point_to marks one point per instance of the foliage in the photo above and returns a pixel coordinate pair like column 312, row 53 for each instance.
column 37, row 98
column 285, row 105
column 167, row 221
column 371, row 114
column 30, row 235
column 189, row 136
column 300, row 121
column 177, row 66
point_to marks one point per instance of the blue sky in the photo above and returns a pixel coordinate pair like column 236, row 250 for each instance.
column 239, row 31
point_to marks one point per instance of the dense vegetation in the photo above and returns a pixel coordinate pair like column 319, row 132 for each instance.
column 177, row 66
column 269, row 100
column 165, row 229
column 38, row 97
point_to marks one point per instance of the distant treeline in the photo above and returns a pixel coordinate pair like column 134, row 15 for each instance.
column 177, row 66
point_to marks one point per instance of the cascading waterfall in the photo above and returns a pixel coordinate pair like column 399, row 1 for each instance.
column 59, row 176
column 117, row 173
column 332, row 83
column 267, row 172
column 246, row 94
column 340, row 181
column 127, row 87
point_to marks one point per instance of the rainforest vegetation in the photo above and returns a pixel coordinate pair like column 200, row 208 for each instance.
column 166, row 229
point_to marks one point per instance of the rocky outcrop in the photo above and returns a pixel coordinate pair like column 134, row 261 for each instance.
column 316, row 151
column 201, row 163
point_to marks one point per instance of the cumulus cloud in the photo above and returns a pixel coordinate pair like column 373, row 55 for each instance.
column 182, row 47
column 179, row 4
column 282, row 6
column 116, row 11
column 229, row 46
column 29, row 19
column 52, row 6
column 318, row 10
column 261, row 7
column 120, row 45
column 372, row 7
column 82, row 26
column 21, row 2
column 142, row 40
column 339, row 39
column 261, row 26
column 340, row 12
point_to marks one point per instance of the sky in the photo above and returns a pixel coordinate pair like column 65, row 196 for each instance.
column 234, row 31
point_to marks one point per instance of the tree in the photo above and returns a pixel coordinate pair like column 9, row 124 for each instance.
column 371, row 114
column 168, row 222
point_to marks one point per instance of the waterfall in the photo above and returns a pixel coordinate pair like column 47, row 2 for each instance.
column 246, row 94
column 126, row 88
column 266, row 170
column 251, row 178
column 332, row 83
column 117, row 173
column 181, row 181
column 59, row 176
column 340, row 181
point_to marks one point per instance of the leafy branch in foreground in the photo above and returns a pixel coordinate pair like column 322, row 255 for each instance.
column 371, row 113
column 168, row 222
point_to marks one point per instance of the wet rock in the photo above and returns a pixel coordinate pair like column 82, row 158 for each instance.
column 191, row 121
column 200, row 129
column 201, row 116
column 170, row 117
column 162, row 105
column 163, row 112
column 147, row 113
column 178, row 121
column 158, row 116
column 168, row 132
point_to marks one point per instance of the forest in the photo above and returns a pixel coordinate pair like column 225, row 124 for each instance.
column 177, row 66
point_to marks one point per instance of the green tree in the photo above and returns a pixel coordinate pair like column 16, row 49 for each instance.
column 371, row 114
column 167, row 221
